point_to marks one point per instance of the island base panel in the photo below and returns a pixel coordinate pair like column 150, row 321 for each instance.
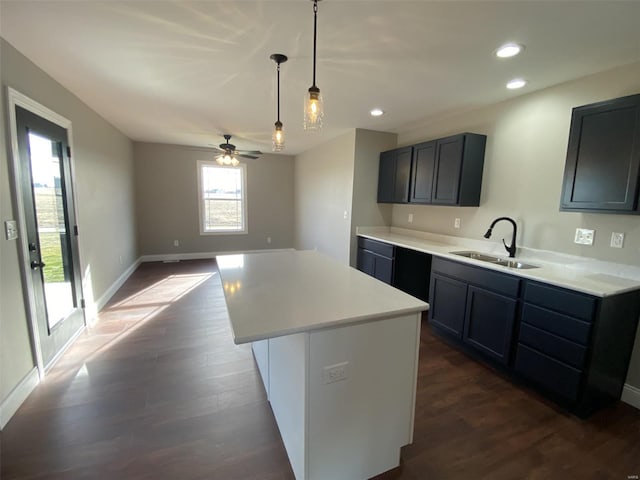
column 351, row 428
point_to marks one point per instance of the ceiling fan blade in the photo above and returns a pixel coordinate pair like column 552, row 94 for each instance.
column 246, row 156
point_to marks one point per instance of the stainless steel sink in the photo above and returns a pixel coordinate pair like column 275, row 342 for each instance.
column 477, row 256
column 505, row 262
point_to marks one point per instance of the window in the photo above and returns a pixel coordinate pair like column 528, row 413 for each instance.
column 223, row 203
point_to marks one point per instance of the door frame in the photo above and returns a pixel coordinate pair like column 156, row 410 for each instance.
column 16, row 98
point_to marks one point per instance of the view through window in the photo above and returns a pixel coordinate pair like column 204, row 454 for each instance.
column 222, row 198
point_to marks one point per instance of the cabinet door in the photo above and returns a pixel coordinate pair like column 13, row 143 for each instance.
column 448, row 164
column 387, row 177
column 489, row 322
column 422, row 168
column 603, row 157
column 402, row 175
column 366, row 261
column 383, row 269
column 447, row 304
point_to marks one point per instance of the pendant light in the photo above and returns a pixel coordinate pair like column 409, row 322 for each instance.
column 278, row 132
column 313, row 111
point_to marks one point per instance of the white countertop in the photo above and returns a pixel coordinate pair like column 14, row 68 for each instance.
column 601, row 279
column 273, row 294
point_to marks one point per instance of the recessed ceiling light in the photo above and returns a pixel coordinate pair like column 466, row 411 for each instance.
column 376, row 112
column 516, row 83
column 509, row 50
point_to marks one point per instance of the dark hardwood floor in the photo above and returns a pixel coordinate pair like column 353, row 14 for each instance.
column 157, row 390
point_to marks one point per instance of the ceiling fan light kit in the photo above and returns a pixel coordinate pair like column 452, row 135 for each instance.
column 228, row 153
column 278, row 132
column 313, row 109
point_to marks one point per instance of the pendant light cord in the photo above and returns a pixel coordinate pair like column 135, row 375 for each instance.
column 278, row 92
column 315, row 29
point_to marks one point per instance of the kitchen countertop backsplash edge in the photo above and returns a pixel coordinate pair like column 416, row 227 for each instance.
column 587, row 275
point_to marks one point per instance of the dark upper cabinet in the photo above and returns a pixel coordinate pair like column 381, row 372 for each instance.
column 424, row 161
column 603, row 157
column 393, row 175
column 448, row 171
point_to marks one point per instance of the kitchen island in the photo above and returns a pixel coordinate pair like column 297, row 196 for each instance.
column 338, row 354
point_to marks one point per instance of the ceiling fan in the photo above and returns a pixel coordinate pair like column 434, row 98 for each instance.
column 228, row 153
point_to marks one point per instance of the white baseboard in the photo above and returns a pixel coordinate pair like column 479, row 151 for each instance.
column 631, row 395
column 172, row 257
column 17, row 396
column 106, row 296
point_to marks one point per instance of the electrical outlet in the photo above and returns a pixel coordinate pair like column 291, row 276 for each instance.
column 345, row 215
column 176, row 243
column 268, row 239
column 335, row 373
column 584, row 236
column 617, row 239
column 456, row 223
column 410, row 218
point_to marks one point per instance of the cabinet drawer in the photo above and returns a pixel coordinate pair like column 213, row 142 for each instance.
column 481, row 277
column 564, row 301
column 554, row 346
column 547, row 372
column 380, row 248
column 556, row 323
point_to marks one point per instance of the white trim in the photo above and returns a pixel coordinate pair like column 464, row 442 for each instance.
column 631, row 395
column 106, row 296
column 18, row 395
column 174, row 257
column 245, row 221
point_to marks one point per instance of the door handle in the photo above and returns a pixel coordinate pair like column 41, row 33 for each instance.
column 35, row 265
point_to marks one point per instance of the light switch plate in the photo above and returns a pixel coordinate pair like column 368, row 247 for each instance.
column 584, row 236
column 617, row 239
column 11, row 229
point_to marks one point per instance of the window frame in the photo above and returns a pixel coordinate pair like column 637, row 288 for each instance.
column 201, row 207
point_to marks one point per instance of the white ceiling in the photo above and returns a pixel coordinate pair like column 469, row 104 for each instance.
column 186, row 72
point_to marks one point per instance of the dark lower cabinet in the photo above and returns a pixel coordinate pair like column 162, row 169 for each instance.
column 572, row 347
column 407, row 270
column 446, row 311
column 489, row 323
column 475, row 305
column 376, row 259
column 576, row 347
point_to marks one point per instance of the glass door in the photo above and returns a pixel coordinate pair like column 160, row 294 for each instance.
column 47, row 192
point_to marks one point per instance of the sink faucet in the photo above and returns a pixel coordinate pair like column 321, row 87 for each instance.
column 510, row 248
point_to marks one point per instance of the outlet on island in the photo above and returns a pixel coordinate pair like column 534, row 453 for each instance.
column 335, row 373
column 176, row 243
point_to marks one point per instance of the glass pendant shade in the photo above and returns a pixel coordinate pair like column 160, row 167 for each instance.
column 278, row 137
column 313, row 109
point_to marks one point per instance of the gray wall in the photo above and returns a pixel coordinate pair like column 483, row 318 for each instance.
column 323, row 192
column 365, row 209
column 524, row 164
column 103, row 160
column 167, row 202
